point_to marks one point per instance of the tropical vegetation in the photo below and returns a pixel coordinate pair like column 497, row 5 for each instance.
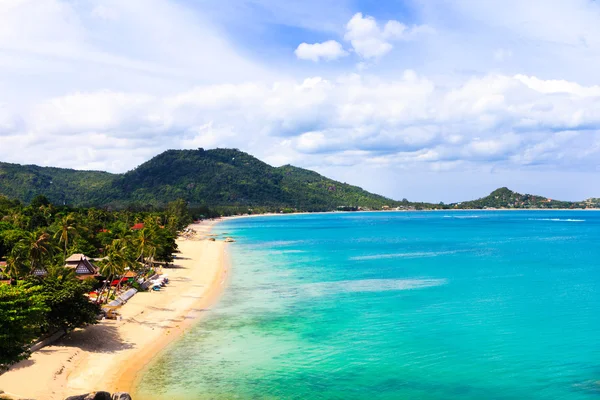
column 39, row 295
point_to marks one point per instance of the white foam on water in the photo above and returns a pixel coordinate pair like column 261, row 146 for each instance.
column 557, row 219
column 402, row 255
column 285, row 251
column 283, row 242
column 369, row 285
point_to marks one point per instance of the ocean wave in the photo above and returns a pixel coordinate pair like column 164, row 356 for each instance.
column 369, row 285
column 277, row 243
column 557, row 219
column 402, row 255
column 556, row 238
column 286, row 251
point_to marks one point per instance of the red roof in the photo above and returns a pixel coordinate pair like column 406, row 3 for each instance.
column 117, row 281
column 137, row 227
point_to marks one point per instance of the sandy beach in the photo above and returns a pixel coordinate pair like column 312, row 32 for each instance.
column 110, row 355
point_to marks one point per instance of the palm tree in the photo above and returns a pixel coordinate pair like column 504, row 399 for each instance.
column 67, row 231
column 61, row 273
column 110, row 268
column 118, row 259
column 146, row 244
column 16, row 265
column 36, row 247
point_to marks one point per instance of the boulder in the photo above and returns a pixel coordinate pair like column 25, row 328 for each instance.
column 121, row 396
column 229, row 240
column 91, row 396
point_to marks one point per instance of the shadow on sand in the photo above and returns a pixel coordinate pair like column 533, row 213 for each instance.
column 101, row 338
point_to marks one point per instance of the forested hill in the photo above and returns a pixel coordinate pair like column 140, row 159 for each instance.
column 506, row 198
column 220, row 177
column 61, row 186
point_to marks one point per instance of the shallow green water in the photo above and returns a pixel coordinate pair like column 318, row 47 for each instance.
column 462, row 305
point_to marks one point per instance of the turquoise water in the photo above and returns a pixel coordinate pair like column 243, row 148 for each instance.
column 432, row 305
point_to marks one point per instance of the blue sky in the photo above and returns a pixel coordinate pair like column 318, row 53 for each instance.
column 429, row 100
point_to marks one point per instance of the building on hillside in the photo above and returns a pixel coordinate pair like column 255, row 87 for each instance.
column 83, row 266
column 137, row 227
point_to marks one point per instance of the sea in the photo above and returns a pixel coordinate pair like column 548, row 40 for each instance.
column 398, row 305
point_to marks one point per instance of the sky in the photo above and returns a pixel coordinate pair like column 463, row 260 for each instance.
column 439, row 100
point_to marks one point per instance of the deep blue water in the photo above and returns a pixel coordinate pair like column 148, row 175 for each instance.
column 416, row 305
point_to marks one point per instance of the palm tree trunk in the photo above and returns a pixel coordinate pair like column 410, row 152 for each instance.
column 108, row 289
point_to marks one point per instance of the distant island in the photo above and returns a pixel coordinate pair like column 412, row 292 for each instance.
column 225, row 182
column 505, row 198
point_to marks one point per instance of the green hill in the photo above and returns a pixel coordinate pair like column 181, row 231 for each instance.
column 62, row 186
column 506, row 198
column 220, row 177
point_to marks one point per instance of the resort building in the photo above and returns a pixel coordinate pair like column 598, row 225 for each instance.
column 82, row 265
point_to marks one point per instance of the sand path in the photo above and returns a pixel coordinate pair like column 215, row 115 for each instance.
column 108, row 356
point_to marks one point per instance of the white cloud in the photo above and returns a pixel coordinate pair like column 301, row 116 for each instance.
column 370, row 41
column 52, row 47
column 409, row 122
column 558, row 86
column 512, row 37
column 329, row 50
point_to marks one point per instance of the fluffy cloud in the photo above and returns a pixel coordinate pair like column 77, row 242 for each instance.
column 329, row 50
column 369, row 40
column 410, row 121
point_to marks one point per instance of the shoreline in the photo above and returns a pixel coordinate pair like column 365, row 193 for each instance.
column 129, row 376
column 113, row 354
column 405, row 211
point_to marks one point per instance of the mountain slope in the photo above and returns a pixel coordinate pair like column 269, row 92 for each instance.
column 220, row 177
column 314, row 189
column 24, row 182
